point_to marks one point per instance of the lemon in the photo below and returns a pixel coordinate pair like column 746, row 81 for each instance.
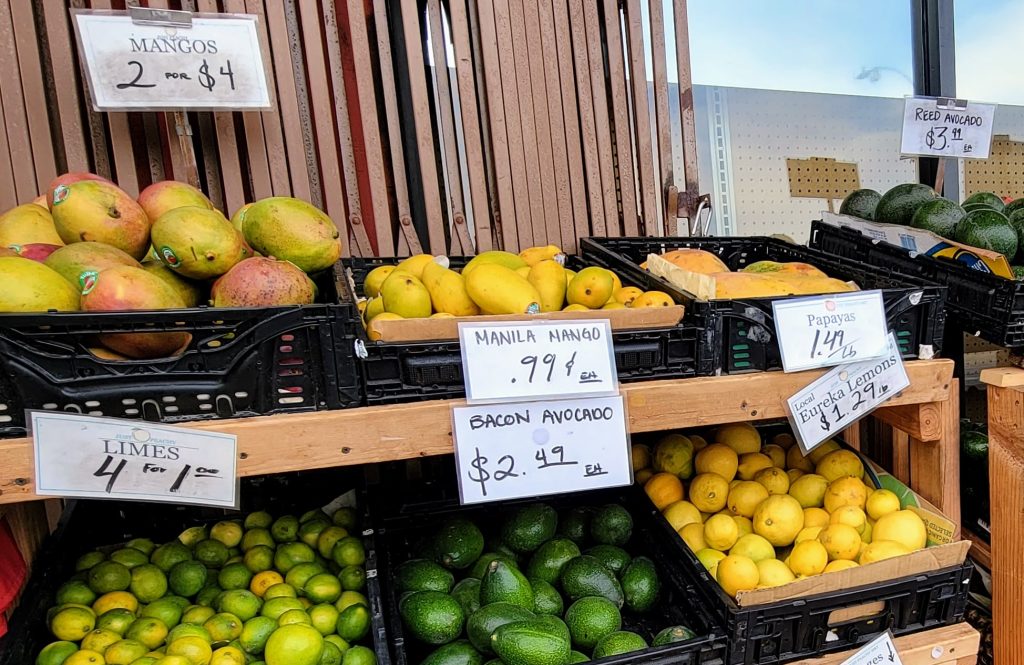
column 72, row 623
column 693, row 536
column 793, row 475
column 674, row 454
column 754, row 547
column 720, row 532
column 743, row 525
column 642, row 476
column 115, row 600
column 709, row 558
column 904, row 527
column 823, row 449
column 845, row 492
column 808, row 533
column 839, row 564
column 717, row 458
column 796, row 460
column 809, row 490
column 664, row 489
column 737, row 573
column 745, row 496
column 776, row 453
column 882, row 502
column 779, row 518
column 881, row 549
column 808, row 558
column 784, row 440
column 774, row 480
column 196, row 649
column 850, row 516
column 641, row 456
column 263, row 581
column 751, row 463
column 815, row 517
column 840, row 464
column 841, row 541
column 772, row 572
column 681, row 513
column 741, row 437
column 709, row 492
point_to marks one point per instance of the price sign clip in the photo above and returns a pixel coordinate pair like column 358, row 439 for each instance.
column 168, row 18
column 950, row 104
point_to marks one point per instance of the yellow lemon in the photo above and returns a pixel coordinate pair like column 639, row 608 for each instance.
column 745, row 497
column 693, row 535
column 825, row 448
column 793, row 475
column 709, row 492
column 867, row 535
column 741, row 437
column 643, row 475
column 743, row 525
column 772, row 572
column 796, row 460
column 809, row 490
column 815, row 517
column 840, row 464
column 850, row 516
column 845, row 492
column 881, row 549
column 840, row 541
column 808, row 558
column 664, row 489
column 737, row 573
column 784, row 440
column 641, row 456
column 720, row 532
column 681, row 513
column 882, row 502
column 774, row 480
column 777, row 455
column 754, row 547
column 709, row 558
column 674, row 454
column 807, row 533
column 839, row 564
column 699, row 442
column 751, row 463
column 717, row 458
column 779, row 518
column 904, row 527
column 264, row 580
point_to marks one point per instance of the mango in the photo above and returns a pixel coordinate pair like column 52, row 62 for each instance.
column 29, row 286
column 696, row 260
column 81, row 261
column 41, row 202
column 373, row 334
column 569, row 275
column 447, row 290
column 374, row 307
column 523, row 272
column 7, row 251
column 239, row 217
column 414, row 264
column 191, row 292
column 613, row 305
column 26, row 225
column 548, row 277
column 652, row 299
column 592, row 287
column 534, row 255
column 292, row 230
column 96, row 211
column 37, row 251
column 627, row 294
column 497, row 289
column 197, row 243
column 67, row 179
column 575, row 308
column 506, row 259
column 262, row 282
column 374, row 279
column 406, row 296
column 166, row 195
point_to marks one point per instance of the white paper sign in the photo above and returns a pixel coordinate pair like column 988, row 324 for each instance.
column 109, row 458
column 834, row 329
column 513, row 450
column 534, row 361
column 947, row 127
column 879, row 651
column 215, row 64
column 843, row 395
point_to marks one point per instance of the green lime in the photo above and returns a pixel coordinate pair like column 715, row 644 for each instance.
column 275, row 607
column 294, row 616
column 348, row 552
column 234, row 576
column 324, row 618
column 188, row 630
column 302, row 573
column 197, row 650
column 353, row 578
column 168, row 611
column 168, row 554
column 129, row 557
column 197, row 614
column 99, row 639
column 124, row 652
column 294, row 644
column 227, row 532
column 349, row 598
column 72, row 623
column 354, row 623
column 258, row 520
column 117, row 620
column 170, row 660
column 359, row 655
column 310, row 531
column 223, row 627
column 187, row 578
column 240, row 602
column 146, row 660
column 108, row 576
column 207, row 595
column 285, row 529
column 259, row 558
column 282, row 590
column 88, row 560
column 336, row 640
column 193, row 535
column 148, row 582
column 288, row 555
column 313, row 514
column 144, row 545
column 322, row 588
column 255, row 633
column 345, row 517
column 331, row 655
column 212, row 553
column 329, row 536
column 149, row 630
column 55, row 653
column 75, row 592
column 180, row 601
column 254, row 537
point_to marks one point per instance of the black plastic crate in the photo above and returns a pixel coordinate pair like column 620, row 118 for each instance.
column 239, row 362
column 740, row 333
column 979, row 303
column 92, row 524
column 403, row 519
column 411, row 371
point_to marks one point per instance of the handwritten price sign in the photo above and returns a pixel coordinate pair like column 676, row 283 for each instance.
column 879, row 651
column 947, row 127
column 107, row 458
column 514, row 450
column 546, row 359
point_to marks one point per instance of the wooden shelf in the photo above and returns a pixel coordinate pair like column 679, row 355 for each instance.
column 950, row 644
column 276, row 444
column 980, row 550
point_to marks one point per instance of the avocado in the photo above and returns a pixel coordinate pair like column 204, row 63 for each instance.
column 575, row 525
column 529, row 527
column 482, row 623
column 613, row 557
column 554, row 624
column 550, row 558
column 974, row 447
column 459, row 652
column 1013, row 206
column 988, row 229
column 673, row 634
column 898, row 205
column 1016, row 219
column 860, row 203
column 611, row 524
column 530, row 642
column 546, row 599
column 640, row 584
column 480, row 566
column 577, row 657
column 987, row 199
column 586, row 576
column 422, row 575
column 939, row 216
column 467, row 592
column 619, row 642
column 432, row 616
column 1018, row 272
column 591, row 618
column 457, row 544
column 504, row 584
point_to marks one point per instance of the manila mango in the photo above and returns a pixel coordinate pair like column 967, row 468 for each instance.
column 406, row 296
column 447, row 290
column 497, row 289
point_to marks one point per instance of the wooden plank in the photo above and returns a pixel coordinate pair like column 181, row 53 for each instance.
column 543, row 116
column 620, row 117
column 8, row 192
column 173, row 150
column 63, row 72
column 34, row 91
column 646, row 166
column 663, row 121
column 15, row 115
column 958, row 643
column 570, row 114
column 900, row 456
column 689, row 130
column 1003, row 377
column 981, row 551
column 273, row 131
column 406, row 431
column 588, row 128
column 604, row 155
column 120, row 140
column 935, row 465
column 921, row 421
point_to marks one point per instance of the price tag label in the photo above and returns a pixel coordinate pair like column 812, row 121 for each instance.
column 537, row 360
column 945, row 127
column 515, row 450
column 843, row 395
column 830, row 330
column 108, row 458
column 215, row 64
column 879, row 651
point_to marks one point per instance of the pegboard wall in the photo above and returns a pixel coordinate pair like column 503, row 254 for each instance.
column 821, row 178
column 1002, row 172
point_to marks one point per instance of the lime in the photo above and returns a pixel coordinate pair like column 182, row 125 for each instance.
column 146, row 660
column 359, row 656
column 115, row 600
column 196, row 649
column 117, row 620
column 294, row 616
column 311, row 530
column 144, row 545
column 275, row 607
column 324, row 618
column 192, row 535
column 254, row 537
column 229, row 533
column 328, row 537
column 55, row 653
column 197, row 614
column 180, row 601
column 124, row 652
column 240, row 602
column 72, row 623
column 99, row 640
column 281, row 590
column 353, row 578
column 172, row 660
column 223, row 627
column 331, row 655
column 259, row 558
column 345, row 517
column 263, row 581
column 75, row 592
column 349, row 598
column 289, row 555
column 109, row 576
column 354, row 623
column 129, row 557
column 228, row 655
column 348, row 552
column 188, row 630
column 235, row 559
column 208, row 594
column 322, row 588
column 85, row 657
column 314, row 514
column 148, row 582
column 165, row 556
column 88, row 560
column 234, row 576
column 212, row 553
column 168, row 611
column 258, row 520
column 255, row 633
column 285, row 529
column 336, row 640
column 294, row 644
column 148, row 630
column 187, row 578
